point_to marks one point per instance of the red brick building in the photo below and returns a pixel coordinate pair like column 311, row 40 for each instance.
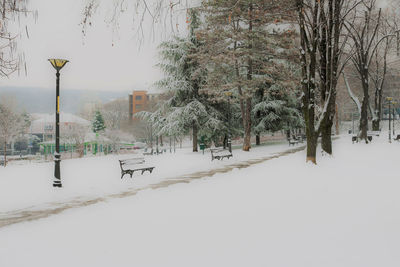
column 140, row 101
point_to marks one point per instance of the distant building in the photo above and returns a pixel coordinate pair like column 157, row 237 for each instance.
column 139, row 101
column 44, row 126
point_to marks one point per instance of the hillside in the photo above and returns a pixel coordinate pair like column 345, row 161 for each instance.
column 42, row 100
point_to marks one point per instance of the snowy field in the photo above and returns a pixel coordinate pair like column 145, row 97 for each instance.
column 283, row 212
column 30, row 185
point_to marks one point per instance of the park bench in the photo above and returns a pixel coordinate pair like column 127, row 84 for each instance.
column 148, row 152
column 160, row 151
column 154, row 152
column 220, row 153
column 2, row 161
column 373, row 133
column 300, row 138
column 293, row 142
column 354, row 138
column 129, row 166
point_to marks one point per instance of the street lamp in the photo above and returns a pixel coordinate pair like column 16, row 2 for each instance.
column 58, row 64
column 389, row 99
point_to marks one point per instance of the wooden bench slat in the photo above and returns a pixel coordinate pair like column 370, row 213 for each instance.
column 129, row 166
column 220, row 153
column 293, row 142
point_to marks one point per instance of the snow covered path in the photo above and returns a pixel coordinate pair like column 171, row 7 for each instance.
column 48, row 209
column 344, row 212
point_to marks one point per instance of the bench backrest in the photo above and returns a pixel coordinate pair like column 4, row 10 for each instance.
column 133, row 161
column 373, row 133
column 220, row 151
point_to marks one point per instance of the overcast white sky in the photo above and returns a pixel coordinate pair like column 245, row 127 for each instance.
column 95, row 63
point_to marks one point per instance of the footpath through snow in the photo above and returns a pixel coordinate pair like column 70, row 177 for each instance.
column 282, row 213
column 26, row 193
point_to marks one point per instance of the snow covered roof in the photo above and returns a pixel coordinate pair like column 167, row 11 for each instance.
column 91, row 137
column 64, row 117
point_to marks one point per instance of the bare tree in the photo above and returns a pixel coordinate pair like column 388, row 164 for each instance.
column 11, row 124
column 11, row 61
column 321, row 25
column 115, row 113
column 147, row 15
column 75, row 134
column 365, row 31
column 10, row 12
column 331, row 59
column 379, row 69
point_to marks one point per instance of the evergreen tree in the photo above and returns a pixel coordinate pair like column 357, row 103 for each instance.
column 98, row 123
column 186, row 108
column 279, row 109
column 241, row 47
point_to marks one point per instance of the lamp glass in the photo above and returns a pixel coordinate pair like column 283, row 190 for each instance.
column 58, row 63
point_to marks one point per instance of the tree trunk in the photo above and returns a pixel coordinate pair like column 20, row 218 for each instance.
column 376, row 110
column 337, row 119
column 259, row 97
column 364, row 119
column 151, row 137
column 326, row 135
column 327, row 124
column 247, row 121
column 258, row 140
column 195, row 130
column 5, row 153
column 225, row 142
column 376, row 124
column 312, row 148
column 247, row 126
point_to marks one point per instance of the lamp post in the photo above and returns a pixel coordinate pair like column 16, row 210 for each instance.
column 389, row 99
column 58, row 64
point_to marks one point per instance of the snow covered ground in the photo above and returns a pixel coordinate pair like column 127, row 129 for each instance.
column 283, row 212
column 30, row 185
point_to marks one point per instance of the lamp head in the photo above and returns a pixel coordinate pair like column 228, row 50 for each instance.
column 228, row 93
column 57, row 63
